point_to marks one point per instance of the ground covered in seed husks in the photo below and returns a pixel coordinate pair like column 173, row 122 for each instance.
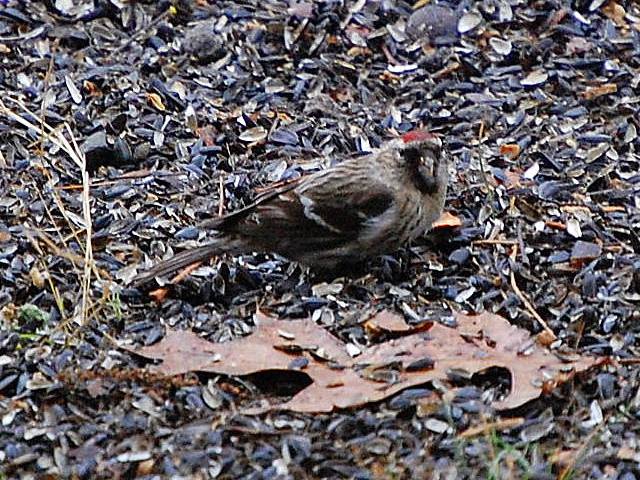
column 123, row 122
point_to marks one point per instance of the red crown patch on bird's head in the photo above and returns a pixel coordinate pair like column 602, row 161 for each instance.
column 418, row 136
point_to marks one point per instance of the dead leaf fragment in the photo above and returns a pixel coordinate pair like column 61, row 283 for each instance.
column 36, row 277
column 595, row 92
column 208, row 135
column 578, row 45
column 156, row 101
column 545, row 338
column 145, row 467
column 339, row 381
column 91, row 88
column 564, row 458
column 511, row 150
column 447, row 220
column 159, row 295
column 512, row 178
column 627, row 452
column 615, row 12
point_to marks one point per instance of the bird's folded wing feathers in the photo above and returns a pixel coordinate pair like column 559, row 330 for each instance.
column 346, row 217
column 326, row 211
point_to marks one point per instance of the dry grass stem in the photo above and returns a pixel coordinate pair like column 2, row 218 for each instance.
column 71, row 148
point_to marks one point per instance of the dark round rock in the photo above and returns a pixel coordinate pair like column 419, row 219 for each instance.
column 204, row 43
column 431, row 22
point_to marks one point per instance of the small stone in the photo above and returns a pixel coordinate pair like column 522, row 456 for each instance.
column 596, row 4
column 460, row 256
column 98, row 152
column 379, row 446
column 531, row 172
column 431, row 22
column 465, row 295
column 596, row 152
column 204, row 43
column 397, row 69
column 536, row 431
column 133, row 456
column 188, row 233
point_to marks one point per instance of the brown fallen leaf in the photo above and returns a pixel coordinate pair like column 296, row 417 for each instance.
column 339, row 381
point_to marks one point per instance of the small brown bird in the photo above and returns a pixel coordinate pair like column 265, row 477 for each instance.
column 361, row 208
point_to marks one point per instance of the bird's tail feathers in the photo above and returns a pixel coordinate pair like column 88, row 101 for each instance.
column 182, row 260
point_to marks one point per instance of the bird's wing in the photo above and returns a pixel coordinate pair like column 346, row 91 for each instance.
column 322, row 210
column 327, row 209
column 342, row 205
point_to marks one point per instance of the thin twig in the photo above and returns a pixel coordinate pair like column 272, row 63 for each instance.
column 75, row 259
column 221, row 202
column 65, row 215
column 502, row 424
column 524, row 299
column 86, row 210
column 629, row 361
column 494, row 242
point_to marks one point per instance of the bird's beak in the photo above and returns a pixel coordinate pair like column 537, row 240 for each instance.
column 429, row 182
column 436, row 142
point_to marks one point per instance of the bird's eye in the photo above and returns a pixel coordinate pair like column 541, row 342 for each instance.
column 412, row 155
